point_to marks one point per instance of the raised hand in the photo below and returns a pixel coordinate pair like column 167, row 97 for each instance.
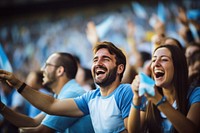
column 182, row 17
column 91, row 33
column 9, row 79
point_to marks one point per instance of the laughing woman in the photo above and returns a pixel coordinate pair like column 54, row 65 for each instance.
column 168, row 110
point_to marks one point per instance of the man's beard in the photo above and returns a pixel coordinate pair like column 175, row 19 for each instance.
column 108, row 79
column 51, row 80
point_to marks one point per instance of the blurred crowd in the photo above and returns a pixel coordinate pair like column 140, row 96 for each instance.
column 28, row 42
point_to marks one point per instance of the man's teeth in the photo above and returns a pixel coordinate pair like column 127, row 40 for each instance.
column 100, row 72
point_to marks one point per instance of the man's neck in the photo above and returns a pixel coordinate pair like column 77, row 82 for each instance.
column 105, row 91
column 58, row 87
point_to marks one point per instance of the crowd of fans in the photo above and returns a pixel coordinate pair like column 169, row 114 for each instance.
column 28, row 42
column 137, row 29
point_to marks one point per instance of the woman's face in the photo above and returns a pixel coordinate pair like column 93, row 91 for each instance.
column 162, row 67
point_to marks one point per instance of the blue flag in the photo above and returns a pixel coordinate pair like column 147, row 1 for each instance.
column 146, row 85
column 161, row 12
column 139, row 10
column 4, row 62
column 104, row 27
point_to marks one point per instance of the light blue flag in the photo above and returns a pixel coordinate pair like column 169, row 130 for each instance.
column 104, row 26
column 146, row 85
column 161, row 12
column 139, row 10
column 4, row 62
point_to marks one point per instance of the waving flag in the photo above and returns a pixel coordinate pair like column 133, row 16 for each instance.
column 139, row 10
column 161, row 12
column 104, row 27
column 4, row 62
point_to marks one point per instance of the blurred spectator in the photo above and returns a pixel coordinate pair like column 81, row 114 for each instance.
column 59, row 72
column 190, row 49
column 84, row 76
column 194, row 63
column 28, row 40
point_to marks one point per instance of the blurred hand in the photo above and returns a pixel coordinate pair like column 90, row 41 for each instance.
column 159, row 26
column 23, row 130
column 156, row 98
column 8, row 78
column 91, row 33
column 135, row 86
column 182, row 17
column 130, row 29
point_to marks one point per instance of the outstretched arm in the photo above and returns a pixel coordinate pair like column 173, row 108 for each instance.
column 39, row 129
column 91, row 33
column 18, row 119
column 42, row 101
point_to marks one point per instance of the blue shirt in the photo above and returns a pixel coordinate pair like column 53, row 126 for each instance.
column 194, row 98
column 107, row 113
column 69, row 124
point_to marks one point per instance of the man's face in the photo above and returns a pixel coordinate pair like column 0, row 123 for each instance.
column 49, row 71
column 104, row 69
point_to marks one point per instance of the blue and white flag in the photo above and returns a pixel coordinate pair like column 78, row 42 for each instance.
column 139, row 10
column 104, row 26
column 4, row 62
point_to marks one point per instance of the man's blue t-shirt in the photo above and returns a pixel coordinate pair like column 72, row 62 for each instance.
column 107, row 113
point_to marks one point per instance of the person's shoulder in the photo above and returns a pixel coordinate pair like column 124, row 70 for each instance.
column 196, row 91
column 95, row 92
column 125, row 87
column 194, row 96
column 92, row 94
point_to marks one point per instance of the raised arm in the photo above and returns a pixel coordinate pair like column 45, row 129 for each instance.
column 91, row 33
column 42, row 101
column 39, row 129
column 135, row 119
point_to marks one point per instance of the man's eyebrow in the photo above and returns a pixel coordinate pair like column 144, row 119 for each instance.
column 105, row 56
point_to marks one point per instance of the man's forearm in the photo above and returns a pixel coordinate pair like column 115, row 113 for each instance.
column 19, row 120
column 38, row 99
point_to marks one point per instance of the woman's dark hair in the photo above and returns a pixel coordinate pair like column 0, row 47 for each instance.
column 180, row 81
column 119, row 55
